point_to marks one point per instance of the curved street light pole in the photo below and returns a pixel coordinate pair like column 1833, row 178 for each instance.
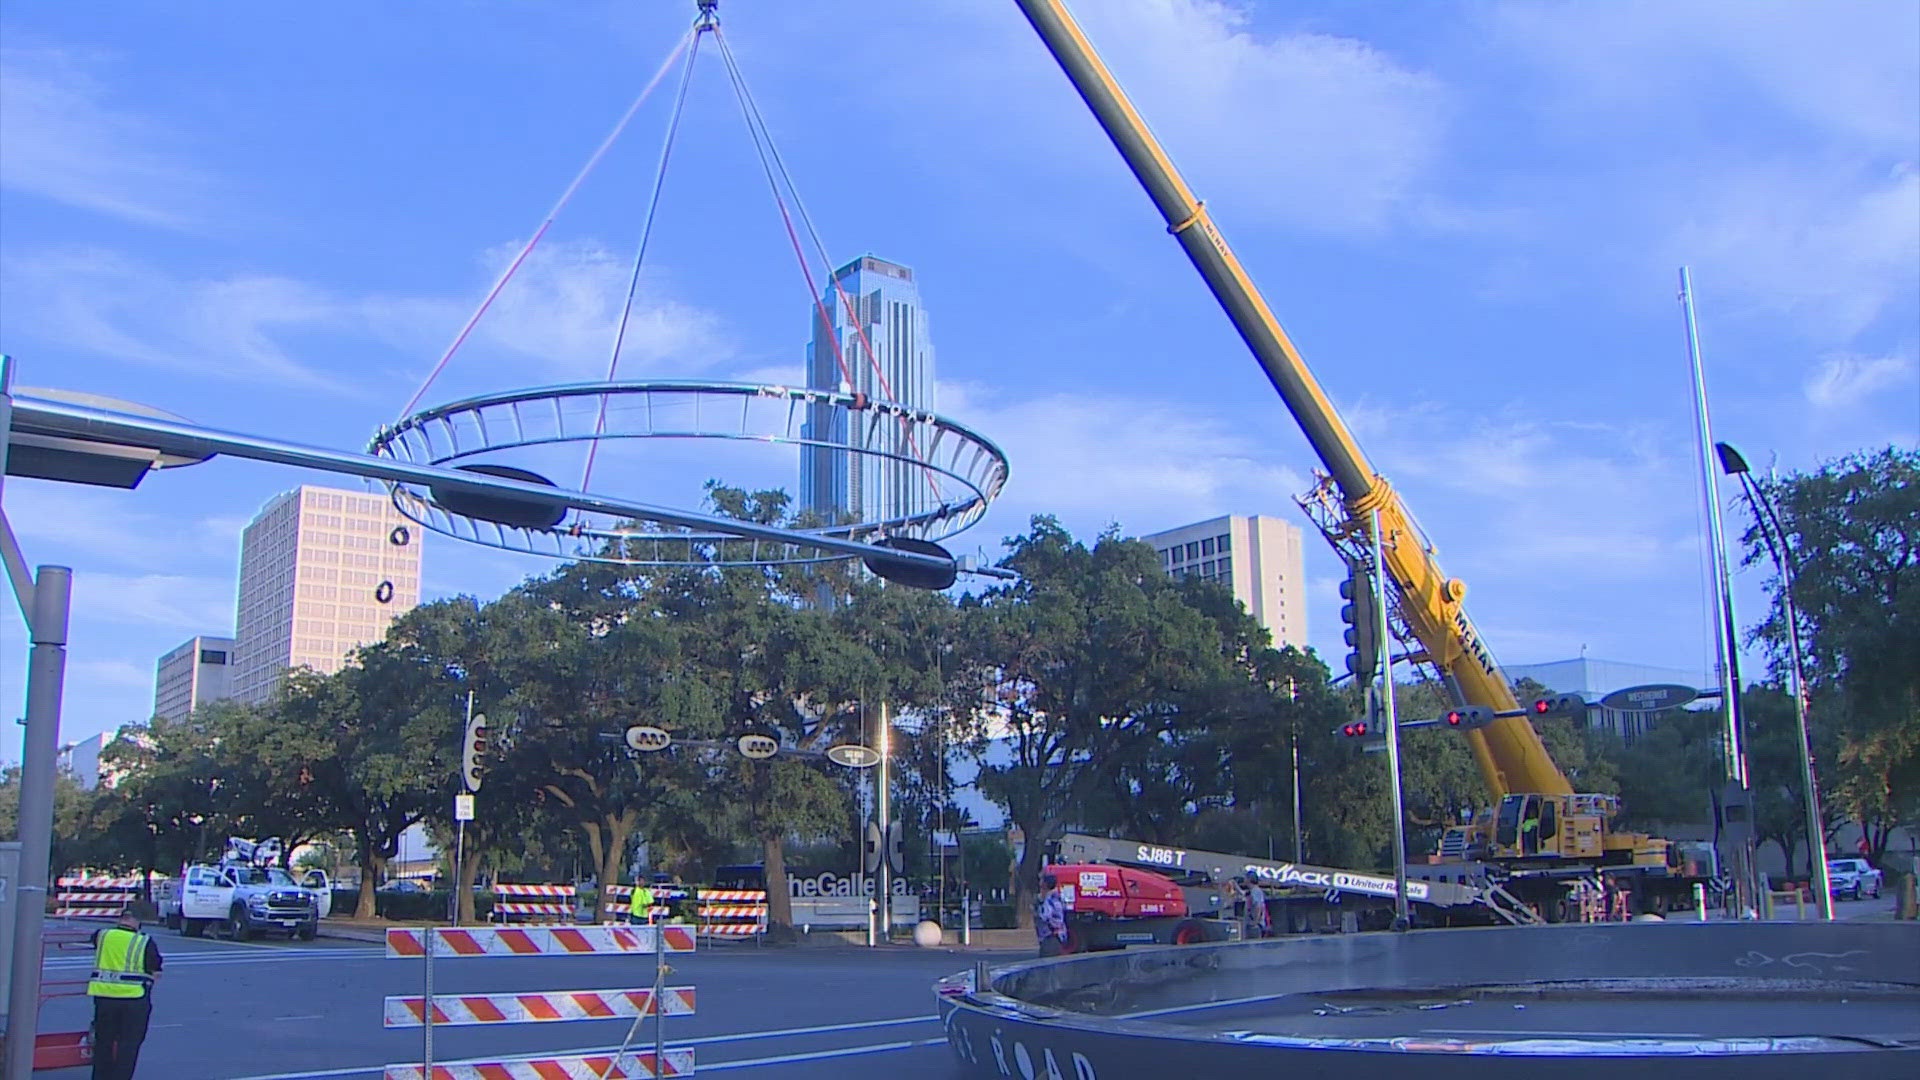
column 1770, row 527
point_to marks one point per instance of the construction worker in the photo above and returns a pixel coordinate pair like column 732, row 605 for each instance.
column 125, row 964
column 640, row 906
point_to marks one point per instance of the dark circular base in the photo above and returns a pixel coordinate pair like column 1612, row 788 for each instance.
column 1831, row 1000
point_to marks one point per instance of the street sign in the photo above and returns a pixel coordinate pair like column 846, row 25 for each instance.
column 853, row 755
column 1653, row 697
column 463, row 808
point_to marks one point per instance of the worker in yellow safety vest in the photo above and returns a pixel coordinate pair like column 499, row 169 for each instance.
column 125, row 964
column 640, row 908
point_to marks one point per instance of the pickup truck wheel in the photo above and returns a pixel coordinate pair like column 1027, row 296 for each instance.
column 192, row 927
column 173, row 923
column 237, row 927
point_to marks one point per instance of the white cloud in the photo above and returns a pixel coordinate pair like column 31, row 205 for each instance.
column 185, row 605
column 116, row 674
column 1844, row 380
column 1095, row 459
column 63, row 138
column 129, row 530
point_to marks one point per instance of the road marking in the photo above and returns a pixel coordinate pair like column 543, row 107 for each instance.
column 1587, row 1034
column 701, row 1040
column 817, row 1055
column 313, row 1016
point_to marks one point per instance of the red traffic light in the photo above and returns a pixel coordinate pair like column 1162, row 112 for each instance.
column 1355, row 730
column 1543, row 706
column 1453, row 718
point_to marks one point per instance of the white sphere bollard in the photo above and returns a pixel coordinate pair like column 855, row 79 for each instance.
column 926, row 934
column 1648, row 917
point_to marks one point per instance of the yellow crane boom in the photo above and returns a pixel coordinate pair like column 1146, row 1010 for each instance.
column 1509, row 752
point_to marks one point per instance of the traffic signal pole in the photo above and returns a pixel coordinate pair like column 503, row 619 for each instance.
column 1383, row 642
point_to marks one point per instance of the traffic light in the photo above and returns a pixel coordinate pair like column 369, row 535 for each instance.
column 474, row 751
column 1355, row 730
column 1571, row 706
column 1468, row 717
column 1363, row 631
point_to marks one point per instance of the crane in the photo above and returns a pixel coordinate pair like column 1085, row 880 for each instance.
column 1513, row 761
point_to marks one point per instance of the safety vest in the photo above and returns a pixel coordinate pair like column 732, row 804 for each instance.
column 119, row 965
column 642, row 901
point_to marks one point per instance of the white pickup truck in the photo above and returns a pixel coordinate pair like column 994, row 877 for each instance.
column 244, row 900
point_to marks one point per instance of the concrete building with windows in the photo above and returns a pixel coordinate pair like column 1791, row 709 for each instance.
column 880, row 348
column 192, row 674
column 82, row 759
column 322, row 572
column 1259, row 558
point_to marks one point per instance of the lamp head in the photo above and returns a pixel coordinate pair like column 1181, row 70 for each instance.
column 1731, row 462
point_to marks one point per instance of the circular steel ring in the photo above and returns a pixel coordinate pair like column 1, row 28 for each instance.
column 963, row 471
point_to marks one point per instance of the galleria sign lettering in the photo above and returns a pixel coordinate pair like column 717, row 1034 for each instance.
column 831, row 884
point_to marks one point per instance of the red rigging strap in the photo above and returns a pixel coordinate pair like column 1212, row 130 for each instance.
column 640, row 251
column 565, row 197
column 777, row 174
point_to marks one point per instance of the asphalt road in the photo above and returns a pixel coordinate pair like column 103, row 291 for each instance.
column 307, row 1011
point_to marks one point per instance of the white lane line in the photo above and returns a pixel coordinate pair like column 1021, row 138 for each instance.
column 309, row 1016
column 1605, row 1036
column 817, row 1055
column 701, row 1040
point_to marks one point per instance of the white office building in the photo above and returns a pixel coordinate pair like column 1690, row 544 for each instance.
column 1259, row 558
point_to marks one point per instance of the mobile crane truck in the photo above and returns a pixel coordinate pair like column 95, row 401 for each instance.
column 1426, row 605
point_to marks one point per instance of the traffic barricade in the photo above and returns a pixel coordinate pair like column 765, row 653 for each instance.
column 429, row 1011
column 731, row 912
column 533, row 903
column 94, row 897
column 618, row 897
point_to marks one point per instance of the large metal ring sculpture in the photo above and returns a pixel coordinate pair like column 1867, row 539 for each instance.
column 960, row 471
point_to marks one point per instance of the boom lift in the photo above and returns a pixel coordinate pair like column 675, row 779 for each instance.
column 1426, row 604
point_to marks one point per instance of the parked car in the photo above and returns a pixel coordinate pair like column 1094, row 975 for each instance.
column 1853, row 878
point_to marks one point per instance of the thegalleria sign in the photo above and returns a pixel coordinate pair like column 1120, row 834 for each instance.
column 831, row 884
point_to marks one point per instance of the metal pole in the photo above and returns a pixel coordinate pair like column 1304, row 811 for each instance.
column 1809, row 783
column 429, row 935
column 46, row 675
column 659, row 988
column 1726, row 631
column 1402, row 917
column 886, row 827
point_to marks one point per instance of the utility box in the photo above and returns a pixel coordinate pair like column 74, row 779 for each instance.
column 9, row 879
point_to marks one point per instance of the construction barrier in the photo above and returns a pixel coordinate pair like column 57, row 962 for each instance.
column 619, row 896
column 429, row 1010
column 471, row 941
column 731, row 912
column 553, row 903
column 94, row 897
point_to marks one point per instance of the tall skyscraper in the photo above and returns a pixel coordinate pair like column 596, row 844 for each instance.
column 192, row 674
column 322, row 572
column 838, row 485
column 1259, row 558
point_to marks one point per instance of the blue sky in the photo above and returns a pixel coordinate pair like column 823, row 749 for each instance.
column 1470, row 218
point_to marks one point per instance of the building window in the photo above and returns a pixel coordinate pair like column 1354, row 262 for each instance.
column 1193, row 550
column 1223, row 542
column 212, row 656
column 1206, row 546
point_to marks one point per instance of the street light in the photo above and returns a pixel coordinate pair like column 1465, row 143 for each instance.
column 1733, row 464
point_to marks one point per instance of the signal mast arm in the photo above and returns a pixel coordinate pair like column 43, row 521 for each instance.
column 1509, row 752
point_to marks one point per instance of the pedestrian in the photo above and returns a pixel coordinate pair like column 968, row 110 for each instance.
column 640, row 904
column 1257, row 910
column 1050, row 917
column 125, row 964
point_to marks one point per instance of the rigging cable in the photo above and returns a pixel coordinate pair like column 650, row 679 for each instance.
column 565, row 197
column 640, row 252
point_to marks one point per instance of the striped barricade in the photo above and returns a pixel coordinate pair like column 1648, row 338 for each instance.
column 732, row 912
column 94, row 897
column 470, row 941
column 619, row 896
column 429, row 1011
column 552, row 903
column 547, row 1007
column 631, row 1066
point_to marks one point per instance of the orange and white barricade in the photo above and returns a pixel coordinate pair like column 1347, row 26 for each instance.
column 539, row 903
column 620, row 896
column 731, row 912
column 94, row 897
column 430, row 1011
